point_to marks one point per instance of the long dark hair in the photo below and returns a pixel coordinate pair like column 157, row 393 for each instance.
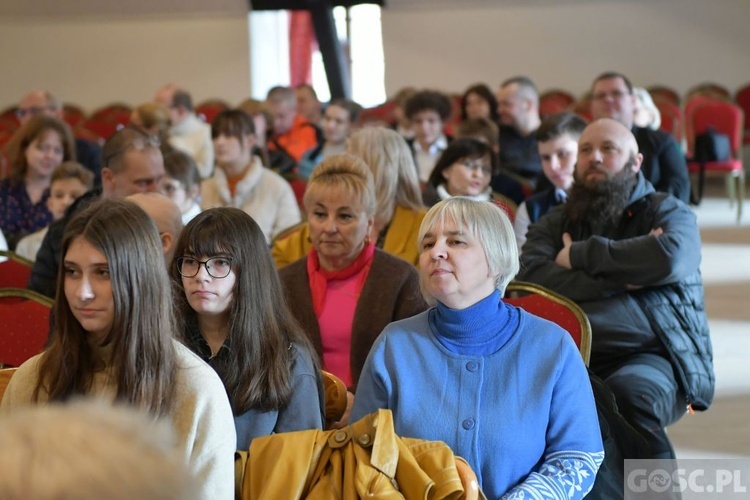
column 257, row 373
column 142, row 353
column 485, row 93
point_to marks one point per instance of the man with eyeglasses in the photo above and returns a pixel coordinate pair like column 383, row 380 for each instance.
column 664, row 163
column 36, row 102
column 132, row 164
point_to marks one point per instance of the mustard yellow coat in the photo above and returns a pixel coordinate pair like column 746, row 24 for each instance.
column 400, row 239
column 364, row 460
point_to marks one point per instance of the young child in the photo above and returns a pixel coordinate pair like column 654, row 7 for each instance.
column 69, row 181
column 182, row 184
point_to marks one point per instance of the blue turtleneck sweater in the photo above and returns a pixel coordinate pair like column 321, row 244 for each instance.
column 506, row 390
column 477, row 330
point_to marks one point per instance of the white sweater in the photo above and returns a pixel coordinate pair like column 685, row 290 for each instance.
column 201, row 418
column 262, row 193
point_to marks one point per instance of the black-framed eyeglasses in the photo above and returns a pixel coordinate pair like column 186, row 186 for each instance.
column 216, row 267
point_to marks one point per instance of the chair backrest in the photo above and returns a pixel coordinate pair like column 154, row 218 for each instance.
column 671, row 118
column 25, row 318
column 664, row 93
column 208, row 110
column 742, row 98
column 545, row 303
column 336, row 398
column 554, row 101
column 15, row 271
column 5, row 376
column 724, row 116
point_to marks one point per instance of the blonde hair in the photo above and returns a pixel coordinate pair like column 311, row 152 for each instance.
column 488, row 224
column 342, row 170
column 389, row 158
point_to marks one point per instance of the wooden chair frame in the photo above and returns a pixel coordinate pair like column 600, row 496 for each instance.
column 534, row 289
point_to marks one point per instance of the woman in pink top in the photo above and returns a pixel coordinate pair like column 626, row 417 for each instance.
column 345, row 291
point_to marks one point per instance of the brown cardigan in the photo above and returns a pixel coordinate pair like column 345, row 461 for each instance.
column 391, row 292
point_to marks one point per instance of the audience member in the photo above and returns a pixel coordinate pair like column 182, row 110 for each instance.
column 182, row 183
column 401, row 123
column 399, row 209
column 630, row 257
column 241, row 180
column 664, row 163
column 645, row 113
column 89, row 451
column 36, row 149
column 292, row 134
column 478, row 101
column 188, row 132
column 465, row 169
column 69, row 181
column 518, row 106
column 153, row 119
column 262, row 119
column 503, row 181
column 557, row 139
column 428, row 110
column 340, row 119
column 88, row 153
column 345, row 291
column 504, row 389
column 236, row 319
column 112, row 339
column 166, row 216
column 308, row 105
column 132, row 163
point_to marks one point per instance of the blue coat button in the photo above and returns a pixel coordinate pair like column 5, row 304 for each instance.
column 468, row 424
column 472, row 366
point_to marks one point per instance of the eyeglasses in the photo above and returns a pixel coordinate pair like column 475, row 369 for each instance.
column 616, row 94
column 473, row 165
column 34, row 110
column 216, row 267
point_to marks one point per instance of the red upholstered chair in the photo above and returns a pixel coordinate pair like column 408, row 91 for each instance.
column 116, row 112
column 208, row 110
column 664, row 93
column 726, row 118
column 15, row 271
column 554, row 101
column 742, row 98
column 710, row 89
column 540, row 301
column 672, row 120
column 379, row 114
column 582, row 108
column 25, row 318
column 73, row 115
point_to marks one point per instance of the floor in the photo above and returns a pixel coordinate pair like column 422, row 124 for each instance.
column 724, row 430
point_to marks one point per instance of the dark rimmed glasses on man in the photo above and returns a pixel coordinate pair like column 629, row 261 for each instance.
column 216, row 267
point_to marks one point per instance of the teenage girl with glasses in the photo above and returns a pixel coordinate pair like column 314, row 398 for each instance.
column 235, row 317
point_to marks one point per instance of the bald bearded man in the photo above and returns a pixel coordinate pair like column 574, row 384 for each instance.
column 630, row 257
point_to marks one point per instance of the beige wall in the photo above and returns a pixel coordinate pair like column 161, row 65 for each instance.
column 93, row 63
column 565, row 43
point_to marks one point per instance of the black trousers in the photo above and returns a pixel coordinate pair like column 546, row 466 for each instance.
column 648, row 396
